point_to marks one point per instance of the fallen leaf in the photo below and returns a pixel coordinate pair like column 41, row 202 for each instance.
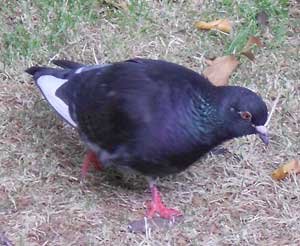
column 223, row 25
column 253, row 40
column 219, row 69
column 250, row 43
column 262, row 18
column 248, row 54
column 292, row 166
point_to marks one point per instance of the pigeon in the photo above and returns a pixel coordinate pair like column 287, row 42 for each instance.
column 149, row 116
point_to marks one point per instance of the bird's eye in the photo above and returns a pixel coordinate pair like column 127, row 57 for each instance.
column 246, row 115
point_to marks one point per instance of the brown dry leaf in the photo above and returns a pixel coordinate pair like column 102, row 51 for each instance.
column 292, row 166
column 248, row 54
column 250, row 43
column 223, row 25
column 219, row 69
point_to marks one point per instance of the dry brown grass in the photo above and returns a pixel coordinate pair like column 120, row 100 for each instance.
column 227, row 199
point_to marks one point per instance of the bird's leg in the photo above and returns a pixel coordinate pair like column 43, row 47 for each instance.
column 90, row 159
column 157, row 206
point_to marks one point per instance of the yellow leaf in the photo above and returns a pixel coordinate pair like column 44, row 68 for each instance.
column 219, row 69
column 223, row 25
column 292, row 166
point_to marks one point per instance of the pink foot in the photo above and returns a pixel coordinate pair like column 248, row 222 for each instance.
column 157, row 206
column 90, row 159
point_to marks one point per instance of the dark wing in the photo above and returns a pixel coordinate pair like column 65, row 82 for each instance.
column 132, row 102
column 111, row 105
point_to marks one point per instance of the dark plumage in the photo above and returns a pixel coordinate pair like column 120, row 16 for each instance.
column 151, row 116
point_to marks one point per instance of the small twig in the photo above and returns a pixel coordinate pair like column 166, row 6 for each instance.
column 45, row 243
column 53, row 58
column 71, row 178
column 147, row 229
column 273, row 108
column 95, row 57
column 215, row 29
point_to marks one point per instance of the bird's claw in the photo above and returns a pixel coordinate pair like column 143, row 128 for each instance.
column 160, row 209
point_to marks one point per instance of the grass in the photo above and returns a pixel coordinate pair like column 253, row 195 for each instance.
column 227, row 199
column 40, row 25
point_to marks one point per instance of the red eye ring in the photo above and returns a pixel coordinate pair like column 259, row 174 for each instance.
column 246, row 115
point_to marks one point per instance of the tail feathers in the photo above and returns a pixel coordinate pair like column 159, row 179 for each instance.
column 67, row 64
column 34, row 69
column 51, row 82
column 49, row 86
column 37, row 72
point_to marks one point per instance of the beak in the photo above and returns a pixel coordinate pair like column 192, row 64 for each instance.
column 262, row 132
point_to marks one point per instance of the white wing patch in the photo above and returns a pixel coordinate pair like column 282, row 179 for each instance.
column 48, row 85
column 90, row 67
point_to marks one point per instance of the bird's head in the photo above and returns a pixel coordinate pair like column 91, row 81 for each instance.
column 244, row 112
